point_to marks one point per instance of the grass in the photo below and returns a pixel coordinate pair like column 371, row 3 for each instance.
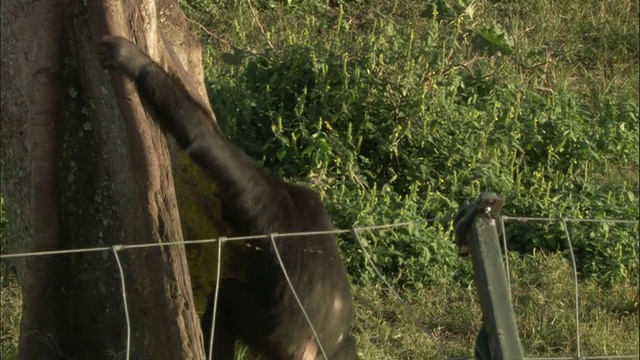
column 591, row 44
column 394, row 115
column 543, row 301
column 543, row 298
column 10, row 310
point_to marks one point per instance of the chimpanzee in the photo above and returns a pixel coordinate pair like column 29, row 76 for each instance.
column 260, row 310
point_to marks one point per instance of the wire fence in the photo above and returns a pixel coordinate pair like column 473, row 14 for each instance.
column 565, row 228
column 116, row 249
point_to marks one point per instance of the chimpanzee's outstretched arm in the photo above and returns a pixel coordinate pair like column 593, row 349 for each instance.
column 185, row 119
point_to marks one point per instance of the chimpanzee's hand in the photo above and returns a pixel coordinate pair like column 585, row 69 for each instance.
column 119, row 53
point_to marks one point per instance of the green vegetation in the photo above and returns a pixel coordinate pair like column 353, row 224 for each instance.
column 401, row 110
column 543, row 301
column 10, row 310
column 10, row 299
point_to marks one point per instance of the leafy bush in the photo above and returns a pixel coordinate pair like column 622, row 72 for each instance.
column 395, row 123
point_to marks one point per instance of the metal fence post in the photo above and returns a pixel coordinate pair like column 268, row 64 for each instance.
column 476, row 234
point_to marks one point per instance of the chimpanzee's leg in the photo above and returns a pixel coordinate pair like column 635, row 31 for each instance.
column 224, row 341
column 240, row 315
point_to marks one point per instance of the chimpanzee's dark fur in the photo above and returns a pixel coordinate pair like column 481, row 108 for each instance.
column 261, row 310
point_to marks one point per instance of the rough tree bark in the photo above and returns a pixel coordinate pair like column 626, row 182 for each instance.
column 83, row 166
column 29, row 109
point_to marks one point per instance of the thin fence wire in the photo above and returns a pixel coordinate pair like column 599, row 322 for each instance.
column 206, row 241
column 506, row 258
column 563, row 222
column 115, row 250
column 428, row 331
column 575, row 282
column 503, row 219
column 295, row 295
column 216, row 293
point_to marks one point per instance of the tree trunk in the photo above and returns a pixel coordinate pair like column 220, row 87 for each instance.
column 83, row 166
column 30, row 111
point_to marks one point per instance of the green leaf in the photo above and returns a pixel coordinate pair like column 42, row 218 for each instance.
column 234, row 58
column 491, row 40
column 281, row 153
